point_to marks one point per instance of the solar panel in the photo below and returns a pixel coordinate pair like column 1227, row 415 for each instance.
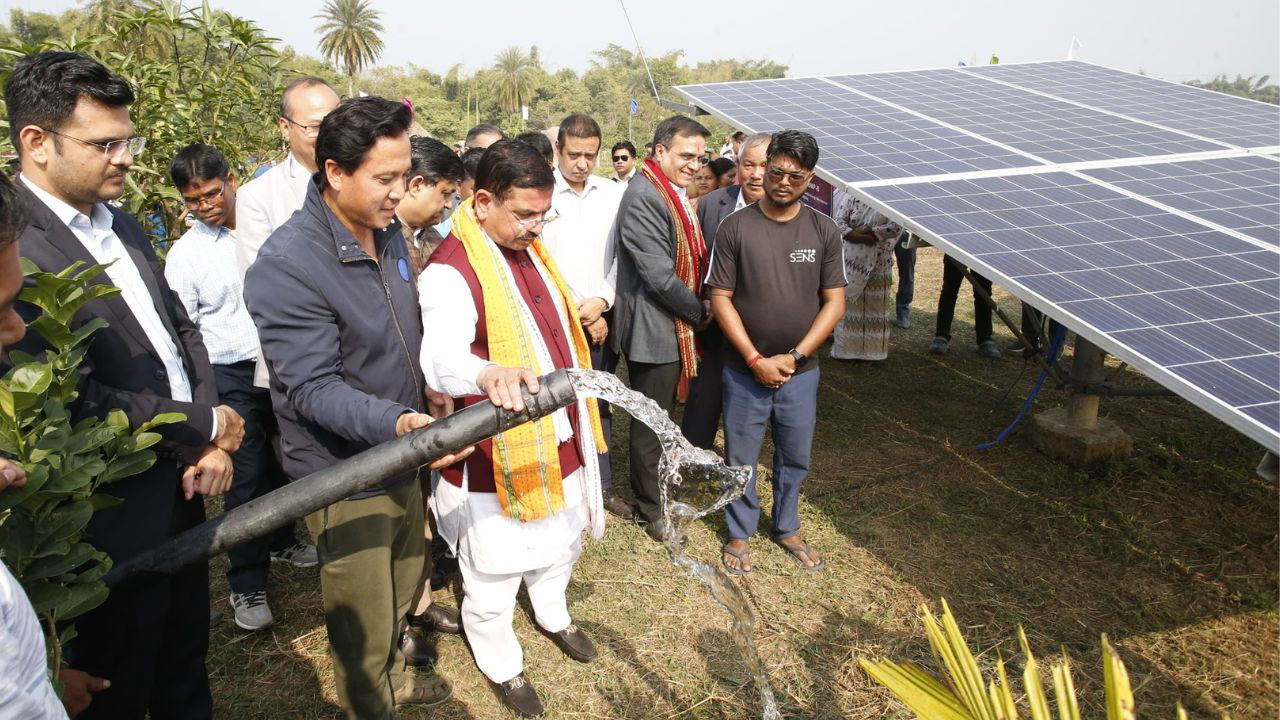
column 1191, row 306
column 1048, row 128
column 1225, row 118
column 1241, row 193
column 861, row 139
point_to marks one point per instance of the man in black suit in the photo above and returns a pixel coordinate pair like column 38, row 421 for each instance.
column 706, row 395
column 69, row 120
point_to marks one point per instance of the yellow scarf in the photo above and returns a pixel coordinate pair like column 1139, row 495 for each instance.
column 526, row 459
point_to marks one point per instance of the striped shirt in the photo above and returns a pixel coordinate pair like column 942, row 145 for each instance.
column 202, row 269
column 25, row 691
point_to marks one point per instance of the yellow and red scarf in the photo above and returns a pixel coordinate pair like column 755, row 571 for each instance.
column 526, row 461
column 691, row 254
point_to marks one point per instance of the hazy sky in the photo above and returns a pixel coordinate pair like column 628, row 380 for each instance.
column 1173, row 39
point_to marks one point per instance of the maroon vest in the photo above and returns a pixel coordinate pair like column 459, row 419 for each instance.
column 541, row 303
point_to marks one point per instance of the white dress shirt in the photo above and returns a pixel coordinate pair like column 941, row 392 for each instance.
column 25, row 690
column 100, row 239
column 581, row 240
column 262, row 205
column 624, row 179
column 202, row 269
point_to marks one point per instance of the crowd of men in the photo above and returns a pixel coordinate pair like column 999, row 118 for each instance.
column 365, row 285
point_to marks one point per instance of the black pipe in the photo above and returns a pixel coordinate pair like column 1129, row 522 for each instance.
column 355, row 474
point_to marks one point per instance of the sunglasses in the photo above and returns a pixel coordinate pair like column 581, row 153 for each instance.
column 621, row 158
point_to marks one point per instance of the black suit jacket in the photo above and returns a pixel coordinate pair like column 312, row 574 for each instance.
column 122, row 370
column 713, row 209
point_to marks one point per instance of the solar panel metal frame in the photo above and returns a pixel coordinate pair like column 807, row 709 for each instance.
column 1269, row 437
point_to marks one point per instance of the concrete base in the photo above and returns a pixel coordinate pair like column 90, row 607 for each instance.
column 1055, row 437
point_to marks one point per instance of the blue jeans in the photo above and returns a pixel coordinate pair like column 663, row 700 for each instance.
column 792, row 412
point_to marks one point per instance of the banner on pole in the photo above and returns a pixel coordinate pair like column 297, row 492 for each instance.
column 635, row 107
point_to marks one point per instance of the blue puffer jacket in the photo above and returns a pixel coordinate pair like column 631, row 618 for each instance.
column 341, row 335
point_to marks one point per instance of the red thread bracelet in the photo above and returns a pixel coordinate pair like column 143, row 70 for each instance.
column 752, row 362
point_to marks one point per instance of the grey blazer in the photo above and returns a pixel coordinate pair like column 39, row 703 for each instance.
column 649, row 295
column 713, row 209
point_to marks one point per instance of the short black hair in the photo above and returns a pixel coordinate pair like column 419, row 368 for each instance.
column 624, row 145
column 721, row 165
column 539, row 142
column 739, row 136
column 13, row 212
column 795, row 144
column 483, row 129
column 433, row 161
column 305, row 81
column 471, row 161
column 43, row 90
column 195, row 163
column 579, row 125
column 511, row 164
column 678, row 125
column 347, row 133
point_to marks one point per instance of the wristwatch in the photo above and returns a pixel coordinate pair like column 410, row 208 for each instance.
column 799, row 356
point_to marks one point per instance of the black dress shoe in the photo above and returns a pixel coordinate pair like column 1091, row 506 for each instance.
column 442, row 569
column 520, row 697
column 575, row 644
column 657, row 530
column 620, row 507
column 437, row 618
column 417, row 652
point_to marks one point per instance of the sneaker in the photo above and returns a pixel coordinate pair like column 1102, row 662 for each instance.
column 988, row 349
column 252, row 611
column 520, row 697
column 299, row 554
column 904, row 318
column 1015, row 347
column 939, row 346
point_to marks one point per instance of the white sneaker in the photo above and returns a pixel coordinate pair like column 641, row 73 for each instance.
column 300, row 554
column 252, row 610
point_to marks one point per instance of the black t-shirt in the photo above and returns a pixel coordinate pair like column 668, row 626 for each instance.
column 777, row 272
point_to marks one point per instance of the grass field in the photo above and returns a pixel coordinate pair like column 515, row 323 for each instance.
column 1171, row 552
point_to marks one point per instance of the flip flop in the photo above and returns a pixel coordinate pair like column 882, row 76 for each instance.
column 741, row 556
column 803, row 547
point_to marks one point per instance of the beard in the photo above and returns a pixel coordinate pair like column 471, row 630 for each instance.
column 782, row 204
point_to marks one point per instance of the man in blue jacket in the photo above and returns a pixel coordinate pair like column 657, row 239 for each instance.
column 337, row 315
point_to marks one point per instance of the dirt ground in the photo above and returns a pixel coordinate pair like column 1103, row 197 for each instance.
column 1172, row 553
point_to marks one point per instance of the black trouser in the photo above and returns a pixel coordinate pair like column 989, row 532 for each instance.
column 906, row 260
column 1033, row 326
column 658, row 382
column 603, row 357
column 257, row 472
column 952, row 276
column 150, row 638
column 706, row 392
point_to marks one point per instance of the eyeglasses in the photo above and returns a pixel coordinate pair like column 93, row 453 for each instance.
column 621, row 158
column 546, row 219
column 779, row 174
column 205, row 199
column 111, row 149
column 308, row 130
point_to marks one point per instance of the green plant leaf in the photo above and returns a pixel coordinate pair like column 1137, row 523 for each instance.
column 48, row 567
column 80, row 599
column 67, row 521
column 161, row 419
column 32, row 378
column 45, row 595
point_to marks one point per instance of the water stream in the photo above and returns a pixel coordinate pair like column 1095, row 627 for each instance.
column 681, row 462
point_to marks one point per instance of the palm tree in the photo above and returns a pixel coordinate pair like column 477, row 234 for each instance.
column 350, row 29
column 513, row 78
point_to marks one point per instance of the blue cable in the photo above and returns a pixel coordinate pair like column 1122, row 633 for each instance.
column 1054, row 348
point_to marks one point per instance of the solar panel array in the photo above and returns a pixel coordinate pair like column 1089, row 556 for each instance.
column 1143, row 214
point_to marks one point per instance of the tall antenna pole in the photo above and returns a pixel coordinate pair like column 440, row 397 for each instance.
column 652, row 84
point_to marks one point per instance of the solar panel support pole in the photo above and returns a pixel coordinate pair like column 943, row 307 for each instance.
column 1087, row 366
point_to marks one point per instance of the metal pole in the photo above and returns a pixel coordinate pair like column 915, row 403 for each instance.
column 1086, row 369
column 355, row 474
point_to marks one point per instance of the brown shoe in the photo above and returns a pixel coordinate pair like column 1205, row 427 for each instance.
column 424, row 689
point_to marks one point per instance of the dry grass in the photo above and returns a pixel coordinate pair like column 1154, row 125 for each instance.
column 1172, row 552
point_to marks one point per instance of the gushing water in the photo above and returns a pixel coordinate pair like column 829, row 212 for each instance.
column 681, row 461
